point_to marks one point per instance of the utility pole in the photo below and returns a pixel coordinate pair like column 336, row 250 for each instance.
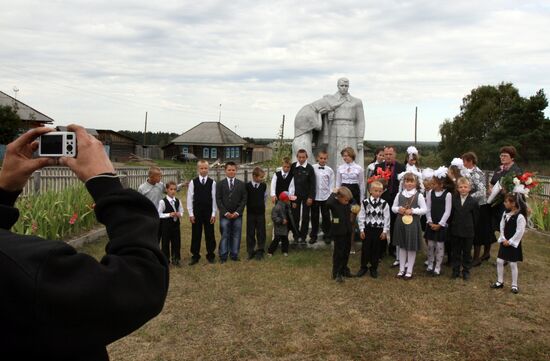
column 220, row 114
column 145, row 131
column 282, row 133
column 415, row 124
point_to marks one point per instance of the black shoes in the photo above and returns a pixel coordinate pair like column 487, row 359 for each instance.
column 339, row 278
column 455, row 275
column 176, row 262
column 193, row 262
column 497, row 285
column 465, row 276
column 212, row 260
column 259, row 256
column 373, row 273
column 312, row 240
column 515, row 290
column 362, row 272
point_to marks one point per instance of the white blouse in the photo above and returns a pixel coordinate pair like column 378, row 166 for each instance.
column 420, row 210
column 520, row 229
column 351, row 173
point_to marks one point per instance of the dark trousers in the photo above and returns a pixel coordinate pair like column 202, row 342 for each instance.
column 275, row 244
column 340, row 256
column 304, row 225
column 255, row 233
column 462, row 253
column 171, row 239
column 370, row 251
column 316, row 207
column 202, row 222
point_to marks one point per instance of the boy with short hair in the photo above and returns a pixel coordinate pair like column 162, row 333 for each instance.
column 256, row 191
column 281, row 179
column 231, row 199
column 170, row 211
column 201, row 206
column 303, row 187
column 374, row 225
column 465, row 213
column 324, row 180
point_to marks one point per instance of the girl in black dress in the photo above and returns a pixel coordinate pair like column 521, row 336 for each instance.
column 512, row 227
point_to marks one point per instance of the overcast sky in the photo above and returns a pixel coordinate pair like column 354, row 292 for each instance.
column 104, row 63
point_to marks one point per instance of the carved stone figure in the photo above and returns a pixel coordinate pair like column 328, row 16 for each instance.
column 331, row 123
column 308, row 124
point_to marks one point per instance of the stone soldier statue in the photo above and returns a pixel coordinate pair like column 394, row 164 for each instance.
column 346, row 127
column 308, row 125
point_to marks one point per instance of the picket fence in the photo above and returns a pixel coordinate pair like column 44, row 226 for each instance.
column 59, row 178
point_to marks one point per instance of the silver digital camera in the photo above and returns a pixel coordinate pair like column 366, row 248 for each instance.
column 57, row 144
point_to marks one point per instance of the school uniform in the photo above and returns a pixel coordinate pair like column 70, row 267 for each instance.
column 374, row 219
column 465, row 214
column 201, row 204
column 439, row 205
column 255, row 219
column 408, row 236
column 303, row 186
column 352, row 176
column 340, row 231
column 324, row 178
column 231, row 198
column 280, row 183
column 512, row 227
column 170, row 226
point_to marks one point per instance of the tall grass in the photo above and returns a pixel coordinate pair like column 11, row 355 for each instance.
column 56, row 215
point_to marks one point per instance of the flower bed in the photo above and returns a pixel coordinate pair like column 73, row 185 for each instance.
column 56, row 215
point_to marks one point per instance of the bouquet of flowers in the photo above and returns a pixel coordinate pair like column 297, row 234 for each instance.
column 381, row 175
column 510, row 183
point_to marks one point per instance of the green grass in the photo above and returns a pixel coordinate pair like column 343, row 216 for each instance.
column 288, row 308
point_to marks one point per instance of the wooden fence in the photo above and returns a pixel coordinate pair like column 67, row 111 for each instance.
column 58, row 178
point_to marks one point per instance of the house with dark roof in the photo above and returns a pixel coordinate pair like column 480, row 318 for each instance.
column 30, row 117
column 210, row 141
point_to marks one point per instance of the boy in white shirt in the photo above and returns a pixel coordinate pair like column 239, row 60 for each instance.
column 325, row 181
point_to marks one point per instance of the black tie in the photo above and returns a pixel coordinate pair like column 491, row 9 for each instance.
column 284, row 176
column 203, row 181
column 321, row 167
column 231, row 184
column 256, row 185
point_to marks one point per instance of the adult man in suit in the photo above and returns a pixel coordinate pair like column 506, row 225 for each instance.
column 390, row 163
column 231, row 199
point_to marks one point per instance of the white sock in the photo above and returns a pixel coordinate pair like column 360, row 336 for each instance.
column 402, row 260
column 431, row 253
column 439, row 253
column 514, row 269
column 411, row 257
column 500, row 270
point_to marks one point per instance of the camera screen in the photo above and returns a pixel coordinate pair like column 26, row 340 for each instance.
column 51, row 144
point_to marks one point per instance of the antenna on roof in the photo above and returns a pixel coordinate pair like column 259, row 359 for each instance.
column 220, row 115
column 15, row 90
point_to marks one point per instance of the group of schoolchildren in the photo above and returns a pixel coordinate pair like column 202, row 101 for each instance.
column 403, row 208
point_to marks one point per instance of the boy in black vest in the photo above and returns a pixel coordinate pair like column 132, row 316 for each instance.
column 170, row 212
column 281, row 180
column 201, row 205
column 465, row 213
column 256, row 191
column 374, row 225
column 303, row 187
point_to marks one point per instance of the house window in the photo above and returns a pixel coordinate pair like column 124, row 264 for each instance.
column 185, row 149
column 232, row 153
column 206, row 153
column 213, row 153
column 227, row 152
column 237, row 152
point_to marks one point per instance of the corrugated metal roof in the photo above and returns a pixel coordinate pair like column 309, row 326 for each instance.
column 211, row 133
column 25, row 112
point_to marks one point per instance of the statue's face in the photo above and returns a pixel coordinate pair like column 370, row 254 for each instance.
column 343, row 87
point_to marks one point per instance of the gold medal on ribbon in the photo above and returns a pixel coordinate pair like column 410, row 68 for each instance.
column 407, row 219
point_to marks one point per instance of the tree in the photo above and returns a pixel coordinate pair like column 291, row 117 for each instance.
column 10, row 124
column 493, row 116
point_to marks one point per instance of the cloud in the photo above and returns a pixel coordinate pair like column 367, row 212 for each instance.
column 107, row 62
